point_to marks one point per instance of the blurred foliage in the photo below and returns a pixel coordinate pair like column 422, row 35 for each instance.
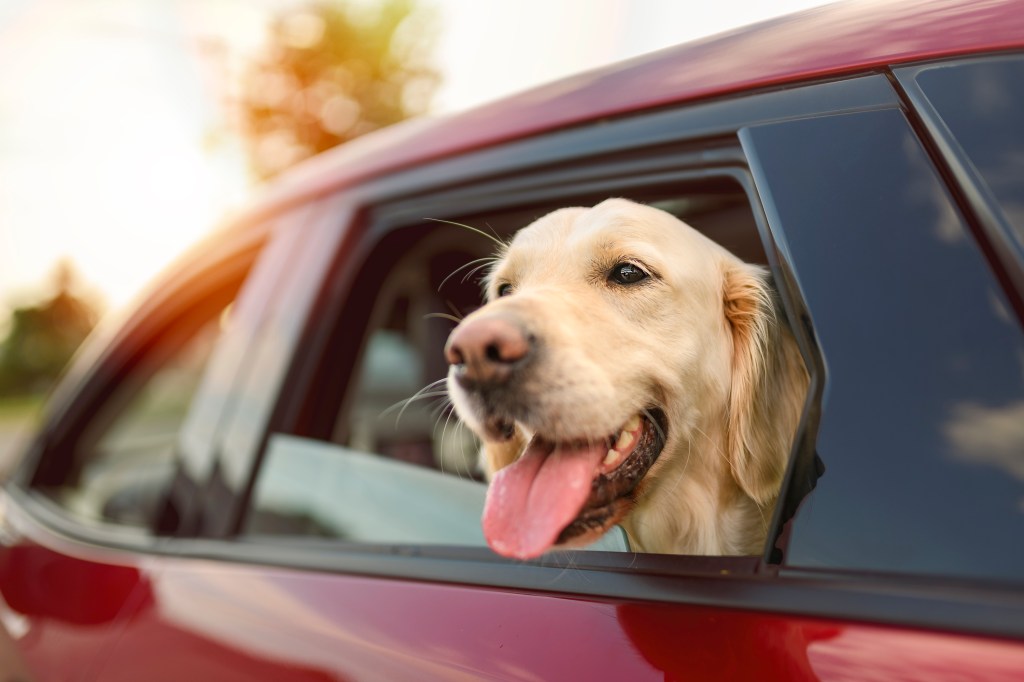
column 43, row 337
column 332, row 71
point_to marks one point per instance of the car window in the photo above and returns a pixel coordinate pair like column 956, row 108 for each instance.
column 981, row 102
column 117, row 463
column 394, row 465
column 920, row 431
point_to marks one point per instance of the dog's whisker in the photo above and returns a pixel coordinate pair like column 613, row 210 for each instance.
column 572, row 564
column 444, row 435
column 457, row 435
column 479, row 469
column 485, row 260
column 437, row 411
column 493, row 231
column 415, row 396
column 472, row 272
column 443, row 316
column 654, row 423
column 442, row 410
column 465, row 464
column 455, row 311
column 632, row 543
column 564, row 568
column 714, row 446
column 478, row 231
column 423, row 394
column 686, row 464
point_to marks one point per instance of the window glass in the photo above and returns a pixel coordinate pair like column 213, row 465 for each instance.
column 395, row 465
column 399, row 360
column 982, row 104
column 120, row 462
column 392, row 470
column 321, row 489
column 921, row 428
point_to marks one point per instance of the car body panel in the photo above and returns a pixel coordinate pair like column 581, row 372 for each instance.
column 64, row 604
column 358, row 628
column 205, row 601
column 243, row 622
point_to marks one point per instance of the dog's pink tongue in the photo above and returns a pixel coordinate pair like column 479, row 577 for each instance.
column 533, row 499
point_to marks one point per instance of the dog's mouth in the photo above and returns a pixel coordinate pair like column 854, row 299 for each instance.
column 557, row 492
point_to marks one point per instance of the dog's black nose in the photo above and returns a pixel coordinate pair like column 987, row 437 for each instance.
column 485, row 350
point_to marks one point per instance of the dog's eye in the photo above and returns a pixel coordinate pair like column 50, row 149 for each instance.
column 627, row 273
column 504, row 289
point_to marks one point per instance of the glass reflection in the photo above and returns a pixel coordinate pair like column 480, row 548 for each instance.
column 919, row 360
column 982, row 104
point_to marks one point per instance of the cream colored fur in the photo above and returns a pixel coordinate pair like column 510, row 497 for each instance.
column 701, row 340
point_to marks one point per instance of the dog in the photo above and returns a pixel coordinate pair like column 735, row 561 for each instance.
column 625, row 369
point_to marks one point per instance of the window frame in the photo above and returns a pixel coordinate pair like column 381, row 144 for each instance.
column 983, row 209
column 382, row 222
column 606, row 155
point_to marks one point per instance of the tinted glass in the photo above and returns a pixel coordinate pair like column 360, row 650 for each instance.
column 922, row 426
column 982, row 104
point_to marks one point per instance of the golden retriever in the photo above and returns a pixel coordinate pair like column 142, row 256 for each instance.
column 627, row 369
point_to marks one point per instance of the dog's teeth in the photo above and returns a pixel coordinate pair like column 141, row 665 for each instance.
column 633, row 424
column 610, row 458
column 625, row 438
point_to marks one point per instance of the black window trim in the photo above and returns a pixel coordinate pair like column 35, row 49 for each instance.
column 628, row 137
column 936, row 605
column 983, row 212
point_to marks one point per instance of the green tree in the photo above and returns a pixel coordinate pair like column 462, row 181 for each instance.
column 43, row 337
column 332, row 71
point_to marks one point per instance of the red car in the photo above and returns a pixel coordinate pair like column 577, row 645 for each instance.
column 219, row 490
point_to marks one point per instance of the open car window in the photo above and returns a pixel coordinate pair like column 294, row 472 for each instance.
column 390, row 463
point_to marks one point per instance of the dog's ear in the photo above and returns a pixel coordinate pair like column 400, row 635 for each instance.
column 768, row 384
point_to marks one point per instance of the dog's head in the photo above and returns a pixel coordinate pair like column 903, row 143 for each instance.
column 610, row 337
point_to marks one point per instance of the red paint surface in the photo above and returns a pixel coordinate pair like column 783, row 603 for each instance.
column 60, row 611
column 841, row 38
column 70, row 612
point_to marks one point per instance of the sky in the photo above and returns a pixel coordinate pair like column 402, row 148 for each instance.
column 114, row 150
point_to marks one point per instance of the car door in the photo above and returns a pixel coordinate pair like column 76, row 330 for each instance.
column 340, row 538
column 81, row 520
